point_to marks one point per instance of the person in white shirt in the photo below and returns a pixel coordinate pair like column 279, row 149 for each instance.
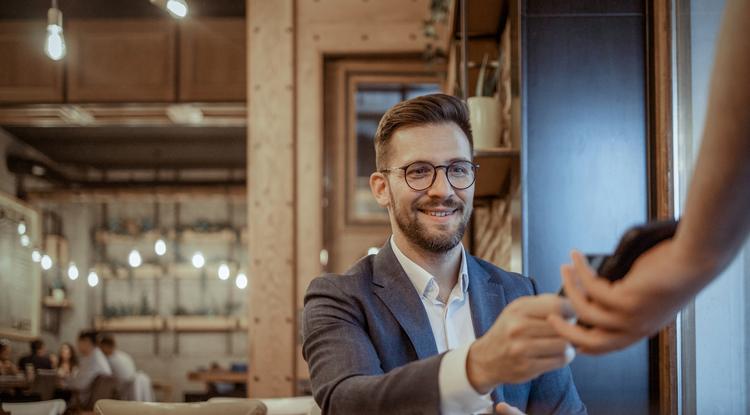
column 422, row 327
column 123, row 366
column 92, row 363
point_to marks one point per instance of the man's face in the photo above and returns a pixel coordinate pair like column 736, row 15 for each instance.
column 433, row 219
column 85, row 347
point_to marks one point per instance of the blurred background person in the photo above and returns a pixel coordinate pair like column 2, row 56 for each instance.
column 122, row 365
column 67, row 361
column 38, row 357
column 92, row 363
column 7, row 367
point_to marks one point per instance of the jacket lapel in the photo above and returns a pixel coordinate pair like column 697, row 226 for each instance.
column 394, row 288
column 487, row 300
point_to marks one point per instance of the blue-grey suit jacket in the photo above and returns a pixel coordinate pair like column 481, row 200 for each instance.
column 370, row 347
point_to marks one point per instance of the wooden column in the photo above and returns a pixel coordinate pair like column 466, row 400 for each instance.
column 271, row 171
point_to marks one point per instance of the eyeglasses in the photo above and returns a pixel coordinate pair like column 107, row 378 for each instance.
column 421, row 175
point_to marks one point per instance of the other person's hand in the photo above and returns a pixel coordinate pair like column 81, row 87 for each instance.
column 520, row 345
column 620, row 313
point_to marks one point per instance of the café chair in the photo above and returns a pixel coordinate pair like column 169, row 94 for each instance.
column 51, row 407
column 240, row 407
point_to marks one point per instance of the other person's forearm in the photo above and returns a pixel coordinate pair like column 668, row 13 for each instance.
column 717, row 211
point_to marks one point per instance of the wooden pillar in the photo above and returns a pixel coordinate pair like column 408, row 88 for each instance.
column 272, row 322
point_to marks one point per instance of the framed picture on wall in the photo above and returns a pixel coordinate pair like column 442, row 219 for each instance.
column 20, row 276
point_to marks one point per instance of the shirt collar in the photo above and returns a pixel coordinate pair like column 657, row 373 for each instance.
column 423, row 281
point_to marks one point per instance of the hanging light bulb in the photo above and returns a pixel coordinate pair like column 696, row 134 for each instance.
column 224, row 272
column 25, row 241
column 134, row 258
column 160, row 247
column 46, row 262
column 92, row 279
column 54, row 45
column 177, row 8
column 198, row 260
column 241, row 281
column 36, row 256
column 21, row 227
column 72, row 271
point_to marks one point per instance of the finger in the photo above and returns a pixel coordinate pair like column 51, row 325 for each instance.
column 504, row 409
column 588, row 311
column 598, row 289
column 540, row 306
column 552, row 347
column 589, row 341
column 533, row 328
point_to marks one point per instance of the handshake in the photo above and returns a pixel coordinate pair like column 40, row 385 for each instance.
column 521, row 344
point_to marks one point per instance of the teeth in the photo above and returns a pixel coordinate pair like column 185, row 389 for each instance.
column 439, row 214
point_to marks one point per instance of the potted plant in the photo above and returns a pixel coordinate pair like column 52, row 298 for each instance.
column 484, row 108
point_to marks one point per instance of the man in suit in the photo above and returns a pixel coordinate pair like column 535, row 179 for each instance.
column 422, row 327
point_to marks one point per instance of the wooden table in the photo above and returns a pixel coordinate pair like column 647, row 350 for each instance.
column 218, row 376
column 12, row 382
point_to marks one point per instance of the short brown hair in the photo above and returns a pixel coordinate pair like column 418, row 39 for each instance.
column 422, row 110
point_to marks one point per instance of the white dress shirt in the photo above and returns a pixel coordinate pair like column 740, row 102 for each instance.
column 89, row 367
column 453, row 331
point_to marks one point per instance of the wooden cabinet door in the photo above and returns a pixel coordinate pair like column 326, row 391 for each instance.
column 121, row 60
column 212, row 59
column 26, row 73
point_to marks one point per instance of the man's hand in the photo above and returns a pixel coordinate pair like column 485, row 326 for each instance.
column 520, row 345
column 658, row 285
column 504, row 409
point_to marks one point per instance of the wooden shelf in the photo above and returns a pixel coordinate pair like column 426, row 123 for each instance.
column 107, row 237
column 51, row 302
column 131, row 324
column 202, row 324
column 499, row 170
column 224, row 235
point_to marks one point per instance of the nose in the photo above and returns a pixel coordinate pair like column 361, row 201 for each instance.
column 441, row 188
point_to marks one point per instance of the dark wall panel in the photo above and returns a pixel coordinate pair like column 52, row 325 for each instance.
column 585, row 159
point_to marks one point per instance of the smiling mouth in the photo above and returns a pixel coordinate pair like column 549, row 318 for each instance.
column 438, row 213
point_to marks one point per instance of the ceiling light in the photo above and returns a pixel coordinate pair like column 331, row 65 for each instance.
column 223, row 272
column 92, row 279
column 198, row 260
column 241, row 281
column 36, row 256
column 21, row 227
column 72, row 271
column 46, row 262
column 160, row 247
column 25, row 241
column 54, row 44
column 134, row 259
column 177, row 8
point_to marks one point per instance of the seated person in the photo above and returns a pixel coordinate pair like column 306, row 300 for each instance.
column 7, row 367
column 122, row 365
column 92, row 363
column 422, row 327
column 67, row 361
column 38, row 357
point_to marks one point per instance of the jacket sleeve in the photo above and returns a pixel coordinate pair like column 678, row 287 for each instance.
column 345, row 369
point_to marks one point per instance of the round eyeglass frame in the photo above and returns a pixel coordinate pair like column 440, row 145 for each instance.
column 474, row 168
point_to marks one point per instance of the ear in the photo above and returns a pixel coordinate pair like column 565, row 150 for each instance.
column 379, row 188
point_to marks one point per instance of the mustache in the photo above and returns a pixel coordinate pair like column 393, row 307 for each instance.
column 450, row 203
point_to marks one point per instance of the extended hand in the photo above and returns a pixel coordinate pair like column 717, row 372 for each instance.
column 520, row 345
column 504, row 409
column 622, row 312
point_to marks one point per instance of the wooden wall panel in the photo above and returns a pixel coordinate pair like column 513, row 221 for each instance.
column 26, row 73
column 271, row 199
column 212, row 59
column 121, row 60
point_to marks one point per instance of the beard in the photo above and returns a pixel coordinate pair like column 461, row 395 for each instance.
column 431, row 240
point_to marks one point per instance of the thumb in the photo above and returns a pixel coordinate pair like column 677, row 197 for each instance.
column 504, row 409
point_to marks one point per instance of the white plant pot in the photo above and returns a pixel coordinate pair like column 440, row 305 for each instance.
column 486, row 124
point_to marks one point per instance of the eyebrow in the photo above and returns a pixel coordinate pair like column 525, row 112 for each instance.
column 427, row 161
